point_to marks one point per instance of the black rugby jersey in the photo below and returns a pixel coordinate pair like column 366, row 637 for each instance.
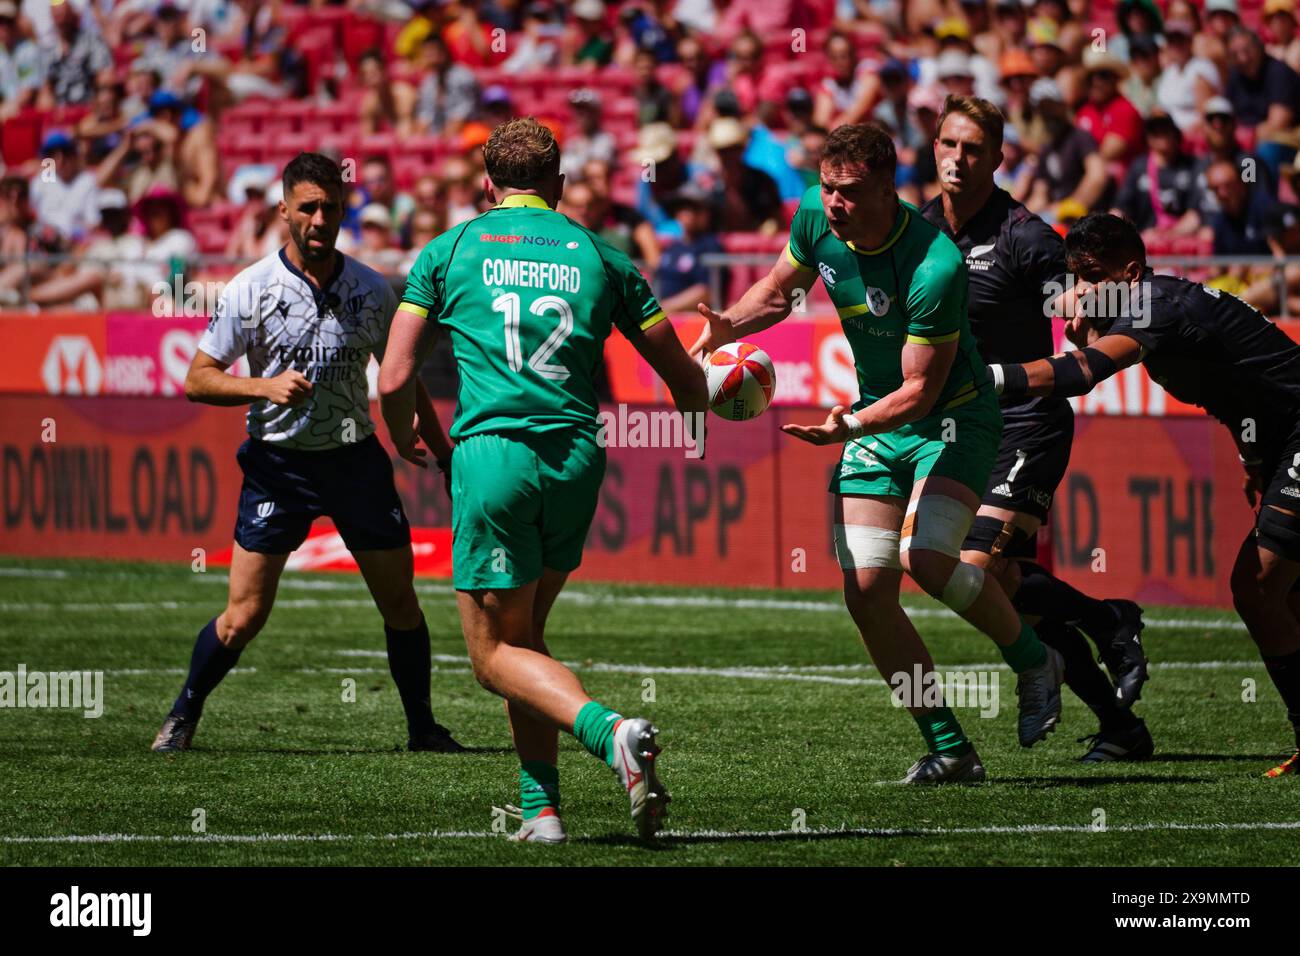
column 1011, row 256
column 1211, row 349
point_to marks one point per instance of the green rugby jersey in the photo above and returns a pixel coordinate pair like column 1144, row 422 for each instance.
column 529, row 297
column 911, row 289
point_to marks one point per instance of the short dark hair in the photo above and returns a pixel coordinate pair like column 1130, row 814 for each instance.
column 521, row 154
column 1106, row 239
column 856, row 144
column 313, row 168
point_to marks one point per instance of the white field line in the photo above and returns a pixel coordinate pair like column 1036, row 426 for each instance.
column 573, row 597
column 1022, row 829
column 789, row 669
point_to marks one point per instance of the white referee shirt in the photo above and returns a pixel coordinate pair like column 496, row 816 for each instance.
column 273, row 314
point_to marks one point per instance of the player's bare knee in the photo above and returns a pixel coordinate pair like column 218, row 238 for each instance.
column 402, row 612
column 929, row 569
column 243, row 622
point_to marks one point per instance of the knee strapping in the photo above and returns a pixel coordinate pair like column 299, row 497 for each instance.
column 860, row 546
column 963, row 586
column 935, row 523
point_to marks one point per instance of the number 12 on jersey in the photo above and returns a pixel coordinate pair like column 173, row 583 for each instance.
column 508, row 303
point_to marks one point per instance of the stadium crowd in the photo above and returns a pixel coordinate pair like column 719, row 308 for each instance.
column 143, row 138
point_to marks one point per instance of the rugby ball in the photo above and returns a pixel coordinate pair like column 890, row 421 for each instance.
column 741, row 381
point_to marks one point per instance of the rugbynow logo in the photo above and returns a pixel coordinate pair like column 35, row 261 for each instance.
column 959, row 689
column 76, row 909
column 519, row 240
column 636, row 428
column 55, row 690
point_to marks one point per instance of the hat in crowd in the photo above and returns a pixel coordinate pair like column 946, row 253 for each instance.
column 57, row 139
column 584, row 97
column 1016, row 62
column 654, row 142
column 159, row 194
column 925, row 98
column 1158, row 123
column 496, row 95
column 726, row 132
column 691, row 194
column 951, row 28
column 1217, row 106
column 165, row 100
column 253, row 177
column 589, row 10
column 1270, row 8
column 953, row 64
column 893, row 67
column 376, row 214
column 1103, row 61
column 1045, row 90
column 1145, row 44
column 1070, row 209
column 1222, row 6
column 275, row 192
column 726, row 103
column 798, row 98
column 106, row 199
column 1043, row 32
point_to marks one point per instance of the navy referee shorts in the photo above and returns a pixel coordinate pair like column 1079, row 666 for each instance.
column 286, row 489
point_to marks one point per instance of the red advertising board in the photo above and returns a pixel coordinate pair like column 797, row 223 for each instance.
column 1150, row 508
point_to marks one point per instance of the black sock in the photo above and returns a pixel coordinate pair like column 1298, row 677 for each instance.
column 1046, row 596
column 1285, row 671
column 209, row 663
column 408, row 662
column 1083, row 676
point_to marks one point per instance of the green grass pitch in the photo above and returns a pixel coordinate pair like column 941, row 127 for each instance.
column 771, row 717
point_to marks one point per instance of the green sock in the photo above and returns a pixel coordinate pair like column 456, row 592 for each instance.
column 942, row 733
column 594, row 729
column 1027, row 652
column 539, row 787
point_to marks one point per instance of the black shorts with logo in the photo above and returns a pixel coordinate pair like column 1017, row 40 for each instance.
column 286, row 489
column 1280, row 474
column 1032, row 458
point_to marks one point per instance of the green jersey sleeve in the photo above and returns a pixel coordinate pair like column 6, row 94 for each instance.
column 808, row 220
column 635, row 305
column 421, row 293
column 936, row 298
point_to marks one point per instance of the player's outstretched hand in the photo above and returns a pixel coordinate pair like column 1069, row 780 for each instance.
column 830, row 432
column 408, row 445
column 290, row 387
column 716, row 332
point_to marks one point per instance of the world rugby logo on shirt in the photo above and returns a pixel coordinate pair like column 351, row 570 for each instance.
column 877, row 301
column 264, row 509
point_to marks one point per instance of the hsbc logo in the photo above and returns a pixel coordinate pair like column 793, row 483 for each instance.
column 71, row 367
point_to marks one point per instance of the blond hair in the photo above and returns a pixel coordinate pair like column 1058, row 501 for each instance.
column 521, row 154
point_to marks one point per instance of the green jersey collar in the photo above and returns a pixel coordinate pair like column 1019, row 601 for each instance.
column 900, row 224
column 523, row 199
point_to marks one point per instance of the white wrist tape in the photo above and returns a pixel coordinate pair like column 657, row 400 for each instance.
column 856, row 428
column 999, row 380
